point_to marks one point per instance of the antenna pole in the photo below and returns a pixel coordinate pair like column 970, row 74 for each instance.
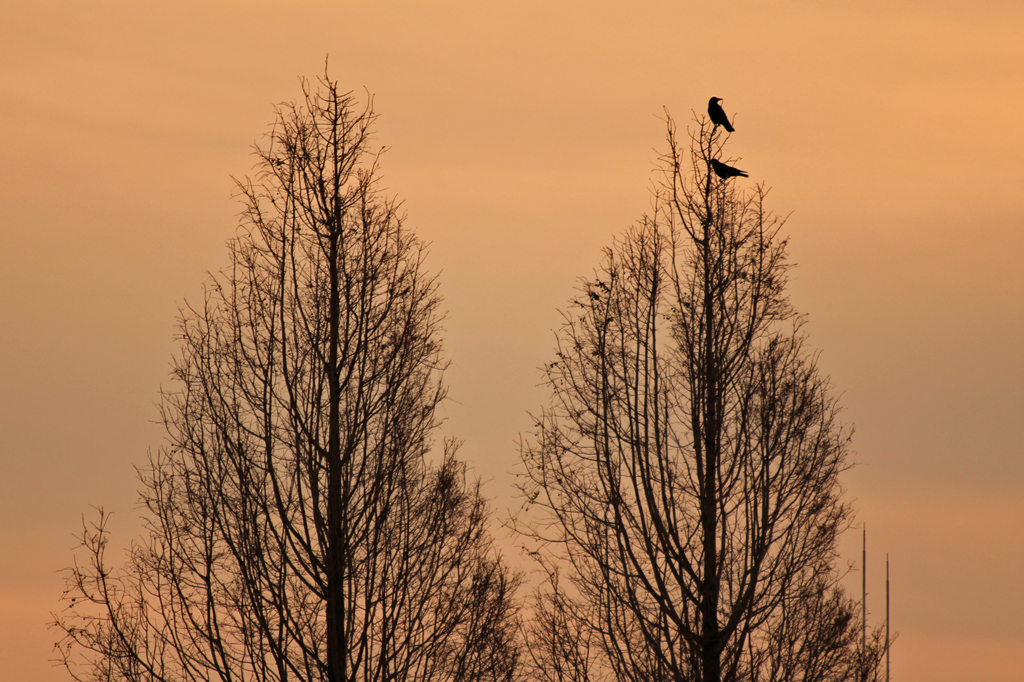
column 864, row 590
column 864, row 604
column 887, row 617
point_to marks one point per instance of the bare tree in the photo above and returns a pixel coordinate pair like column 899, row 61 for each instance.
column 298, row 527
column 815, row 636
column 685, row 475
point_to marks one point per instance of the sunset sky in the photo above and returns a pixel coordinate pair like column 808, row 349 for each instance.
column 522, row 136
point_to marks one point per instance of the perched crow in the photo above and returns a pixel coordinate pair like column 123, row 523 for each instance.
column 725, row 172
column 717, row 114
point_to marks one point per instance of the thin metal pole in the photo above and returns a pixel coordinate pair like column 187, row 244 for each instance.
column 864, row 591
column 864, row 605
column 886, row 617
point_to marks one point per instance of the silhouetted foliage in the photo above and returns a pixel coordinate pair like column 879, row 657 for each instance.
column 682, row 487
column 297, row 526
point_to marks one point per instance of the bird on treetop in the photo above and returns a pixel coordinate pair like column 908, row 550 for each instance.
column 717, row 114
column 725, row 172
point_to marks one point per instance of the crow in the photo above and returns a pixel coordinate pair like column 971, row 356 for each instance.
column 717, row 114
column 725, row 172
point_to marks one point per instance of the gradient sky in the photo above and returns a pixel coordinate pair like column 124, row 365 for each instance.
column 523, row 136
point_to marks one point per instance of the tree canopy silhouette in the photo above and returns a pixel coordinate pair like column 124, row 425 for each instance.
column 682, row 487
column 299, row 524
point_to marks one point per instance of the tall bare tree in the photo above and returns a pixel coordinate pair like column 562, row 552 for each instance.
column 299, row 527
column 685, row 475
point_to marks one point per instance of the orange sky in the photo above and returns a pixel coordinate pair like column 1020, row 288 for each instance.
column 522, row 138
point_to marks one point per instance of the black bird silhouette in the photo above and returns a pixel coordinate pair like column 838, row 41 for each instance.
column 725, row 172
column 717, row 114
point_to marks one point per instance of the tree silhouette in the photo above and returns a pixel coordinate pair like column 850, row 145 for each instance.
column 297, row 527
column 682, row 486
